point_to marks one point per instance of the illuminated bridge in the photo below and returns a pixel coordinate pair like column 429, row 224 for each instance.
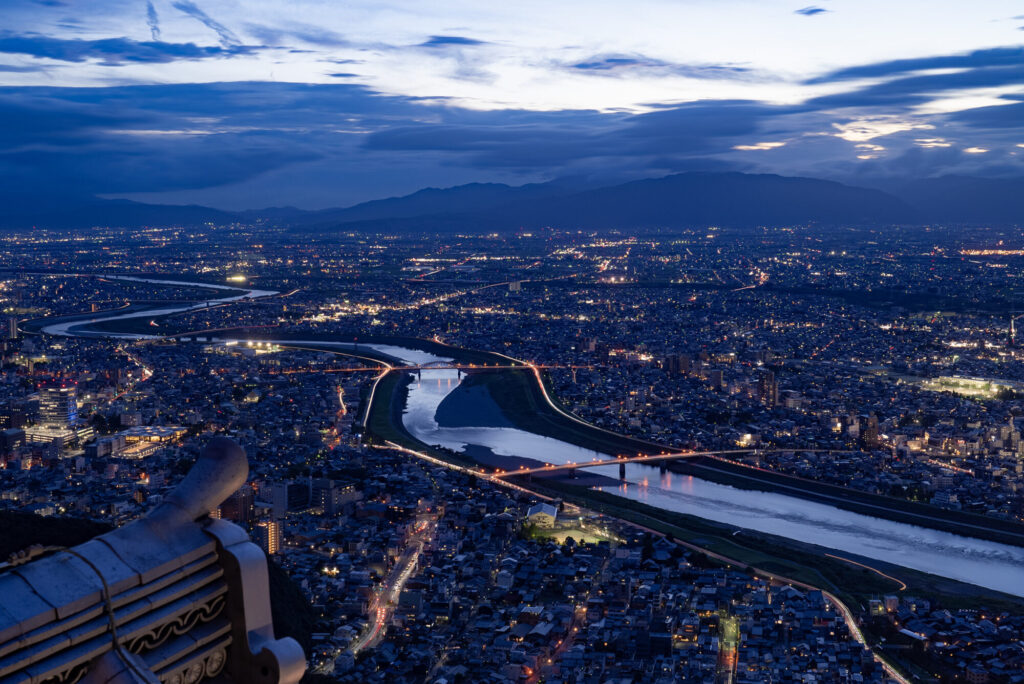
column 661, row 460
column 416, row 369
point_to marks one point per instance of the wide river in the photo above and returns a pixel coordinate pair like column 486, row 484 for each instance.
column 985, row 563
column 988, row 564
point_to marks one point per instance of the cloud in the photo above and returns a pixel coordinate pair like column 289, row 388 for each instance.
column 152, row 20
column 227, row 37
column 910, row 91
column 445, row 41
column 1006, row 116
column 978, row 59
column 306, row 33
column 104, row 140
column 869, row 128
column 619, row 64
column 975, row 150
column 810, row 11
column 112, row 51
column 52, row 138
column 759, row 146
column 305, row 141
column 36, row 121
column 614, row 62
column 571, row 138
column 13, row 69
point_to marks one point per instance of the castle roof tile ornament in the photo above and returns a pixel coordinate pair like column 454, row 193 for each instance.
column 175, row 597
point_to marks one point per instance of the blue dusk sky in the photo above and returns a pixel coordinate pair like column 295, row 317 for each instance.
column 318, row 103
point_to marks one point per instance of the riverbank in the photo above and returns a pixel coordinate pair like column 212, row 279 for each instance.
column 913, row 513
column 35, row 325
column 384, row 422
column 138, row 320
column 458, row 354
column 801, row 561
column 518, row 397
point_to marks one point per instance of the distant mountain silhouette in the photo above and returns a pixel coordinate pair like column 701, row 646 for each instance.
column 46, row 211
column 469, row 198
column 962, row 199
column 686, row 199
column 679, row 200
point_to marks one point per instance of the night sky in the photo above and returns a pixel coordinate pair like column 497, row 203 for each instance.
column 316, row 104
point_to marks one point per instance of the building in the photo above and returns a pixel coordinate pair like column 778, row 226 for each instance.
column 58, row 406
column 330, row 496
column 240, row 506
column 58, row 418
column 768, row 389
column 268, row 536
column 542, row 515
column 288, row 497
column 717, row 379
column 12, row 328
column 106, row 446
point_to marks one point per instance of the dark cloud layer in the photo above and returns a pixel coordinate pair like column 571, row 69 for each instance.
column 626, row 65
column 978, row 59
column 445, row 41
column 112, row 51
column 316, row 138
column 152, row 139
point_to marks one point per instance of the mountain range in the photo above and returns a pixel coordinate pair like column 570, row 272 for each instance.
column 686, row 199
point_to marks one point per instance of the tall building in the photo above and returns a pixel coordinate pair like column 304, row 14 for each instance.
column 870, row 434
column 240, row 506
column 12, row 328
column 268, row 536
column 768, row 389
column 58, row 406
column 58, row 418
column 288, row 496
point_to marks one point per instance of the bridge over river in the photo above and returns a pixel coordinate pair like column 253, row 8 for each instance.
column 965, row 558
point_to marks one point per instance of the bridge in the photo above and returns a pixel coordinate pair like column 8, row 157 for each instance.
column 462, row 368
column 661, row 460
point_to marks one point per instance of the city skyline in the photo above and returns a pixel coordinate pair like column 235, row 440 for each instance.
column 538, row 343
column 740, row 453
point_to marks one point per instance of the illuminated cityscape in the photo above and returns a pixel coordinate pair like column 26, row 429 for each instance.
column 434, row 514
column 575, row 343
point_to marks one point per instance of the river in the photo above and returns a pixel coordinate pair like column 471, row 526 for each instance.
column 988, row 564
column 78, row 325
column 976, row 561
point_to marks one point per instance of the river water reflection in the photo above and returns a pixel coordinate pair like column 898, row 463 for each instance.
column 989, row 564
